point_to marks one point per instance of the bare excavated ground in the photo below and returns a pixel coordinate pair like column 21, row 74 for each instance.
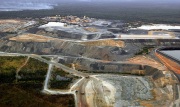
column 91, row 29
column 14, row 25
column 31, row 38
column 99, row 93
column 10, row 21
column 108, row 42
column 146, row 60
column 161, row 33
column 139, row 91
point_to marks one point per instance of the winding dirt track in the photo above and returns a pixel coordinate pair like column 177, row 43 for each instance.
column 17, row 72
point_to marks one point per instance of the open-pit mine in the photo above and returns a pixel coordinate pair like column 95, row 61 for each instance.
column 70, row 61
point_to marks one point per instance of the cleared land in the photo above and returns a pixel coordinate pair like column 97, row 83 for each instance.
column 31, row 38
column 10, row 21
column 144, row 60
column 13, row 25
column 105, row 43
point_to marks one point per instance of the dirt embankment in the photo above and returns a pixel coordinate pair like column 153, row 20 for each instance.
column 10, row 21
column 15, row 25
column 91, row 29
column 31, row 38
column 105, row 43
column 144, row 60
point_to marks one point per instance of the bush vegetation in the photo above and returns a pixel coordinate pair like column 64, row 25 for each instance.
column 27, row 91
column 61, row 84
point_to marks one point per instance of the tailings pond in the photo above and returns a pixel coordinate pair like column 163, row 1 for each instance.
column 173, row 53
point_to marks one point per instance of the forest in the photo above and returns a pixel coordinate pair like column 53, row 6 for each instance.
column 129, row 12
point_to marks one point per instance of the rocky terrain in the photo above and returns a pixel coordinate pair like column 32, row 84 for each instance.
column 139, row 91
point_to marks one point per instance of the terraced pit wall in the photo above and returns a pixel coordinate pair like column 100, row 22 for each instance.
column 88, row 66
column 69, row 48
column 132, row 69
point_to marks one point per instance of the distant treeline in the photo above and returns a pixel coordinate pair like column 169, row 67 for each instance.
column 155, row 13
